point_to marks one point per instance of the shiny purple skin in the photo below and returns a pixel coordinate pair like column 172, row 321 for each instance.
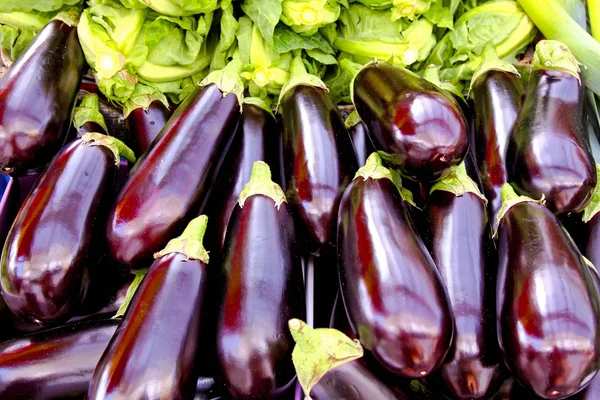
column 391, row 288
column 152, row 355
column 257, row 139
column 459, row 241
column 549, row 151
column 496, row 101
column 362, row 142
column 167, row 187
column 37, row 95
column 264, row 289
column 420, row 125
column 547, row 307
column 44, row 264
column 143, row 126
column 54, row 363
column 9, row 206
column 319, row 161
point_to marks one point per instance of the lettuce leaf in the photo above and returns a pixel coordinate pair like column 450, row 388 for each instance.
column 180, row 8
column 264, row 13
column 35, row 5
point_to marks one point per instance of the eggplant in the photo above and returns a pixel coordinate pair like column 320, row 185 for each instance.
column 359, row 133
column 43, row 269
column 37, row 95
column 10, row 202
column 143, row 125
column 460, row 242
column 391, row 288
column 170, row 184
column 420, row 127
column 319, row 160
column 496, row 96
column 546, row 301
column 153, row 352
column 549, row 151
column 54, row 363
column 263, row 290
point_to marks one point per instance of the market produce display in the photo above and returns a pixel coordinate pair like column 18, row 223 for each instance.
column 315, row 199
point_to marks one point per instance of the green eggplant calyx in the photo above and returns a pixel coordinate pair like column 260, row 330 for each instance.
column 510, row 199
column 458, row 182
column 88, row 111
column 260, row 102
column 299, row 76
column 374, row 169
column 318, row 351
column 261, row 184
column 352, row 120
column 190, row 242
column 70, row 15
column 228, row 79
column 117, row 147
column 555, row 55
column 492, row 65
column 593, row 206
column 138, row 277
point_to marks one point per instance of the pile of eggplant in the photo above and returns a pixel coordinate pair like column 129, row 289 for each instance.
column 453, row 239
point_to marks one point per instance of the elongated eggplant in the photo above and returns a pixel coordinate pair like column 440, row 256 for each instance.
column 257, row 139
column 145, row 123
column 459, row 241
column 37, row 95
column 549, row 151
column 318, row 155
column 419, row 126
column 359, row 133
column 263, row 291
column 54, row 363
column 391, row 288
column 167, row 188
column 496, row 94
column 546, row 301
column 43, row 270
column 153, row 352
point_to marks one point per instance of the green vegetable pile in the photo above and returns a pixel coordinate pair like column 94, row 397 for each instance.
column 140, row 51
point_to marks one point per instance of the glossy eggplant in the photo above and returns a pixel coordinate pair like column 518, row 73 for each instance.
column 43, row 270
column 391, row 288
column 546, row 301
column 420, row 126
column 359, row 133
column 168, row 186
column 459, row 242
column 37, row 95
column 153, row 353
column 144, row 124
column 263, row 291
column 54, row 363
column 319, row 160
column 496, row 94
column 549, row 151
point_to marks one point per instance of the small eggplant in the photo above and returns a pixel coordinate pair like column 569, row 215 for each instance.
column 391, row 288
column 54, row 363
column 496, row 94
column 168, row 186
column 263, row 291
column 420, row 127
column 459, row 240
column 318, row 154
column 145, row 123
column 37, row 95
column 152, row 355
column 363, row 146
column 549, row 151
column 548, row 311
column 43, row 269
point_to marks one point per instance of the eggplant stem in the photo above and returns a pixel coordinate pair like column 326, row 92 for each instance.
column 117, row 147
column 374, row 169
column 190, row 242
column 261, row 184
column 458, row 182
column 555, row 55
column 510, row 199
column 89, row 111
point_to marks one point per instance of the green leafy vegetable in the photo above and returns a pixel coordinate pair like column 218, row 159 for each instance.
column 35, row 5
column 264, row 13
column 180, row 8
column 306, row 17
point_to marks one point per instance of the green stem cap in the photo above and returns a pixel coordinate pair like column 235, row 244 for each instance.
column 374, row 169
column 190, row 242
column 261, row 102
column 555, row 55
column 510, row 199
column 88, row 111
column 117, row 147
column 70, row 16
column 594, row 205
column 318, row 351
column 352, row 120
column 458, row 182
column 261, row 183
column 228, row 79
column 299, row 76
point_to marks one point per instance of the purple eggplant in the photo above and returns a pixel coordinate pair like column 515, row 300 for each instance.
column 420, row 127
column 153, row 352
column 496, row 94
column 549, row 151
column 37, row 95
column 319, row 160
column 43, row 270
column 10, row 202
column 459, row 241
column 263, row 291
column 359, row 133
column 547, row 307
column 168, row 186
column 145, row 123
column 391, row 288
